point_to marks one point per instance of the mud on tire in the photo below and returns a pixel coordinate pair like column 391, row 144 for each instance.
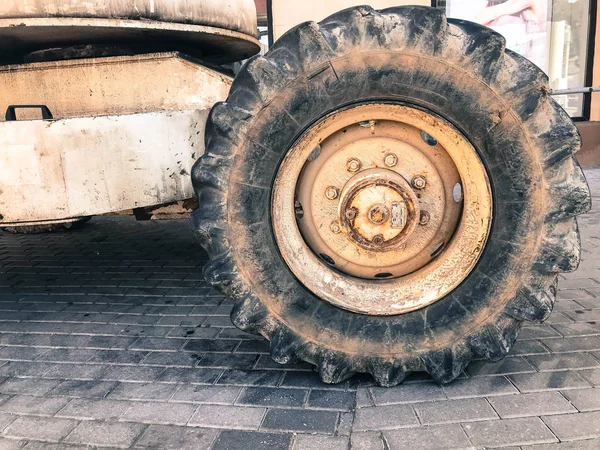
column 413, row 56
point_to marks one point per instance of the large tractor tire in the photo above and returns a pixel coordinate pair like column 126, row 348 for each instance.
column 388, row 192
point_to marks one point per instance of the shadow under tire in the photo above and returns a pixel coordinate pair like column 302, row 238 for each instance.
column 410, row 56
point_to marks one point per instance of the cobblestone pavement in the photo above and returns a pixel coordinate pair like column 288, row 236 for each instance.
column 110, row 338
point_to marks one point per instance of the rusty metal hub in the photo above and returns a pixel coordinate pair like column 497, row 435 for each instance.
column 382, row 229
column 377, row 210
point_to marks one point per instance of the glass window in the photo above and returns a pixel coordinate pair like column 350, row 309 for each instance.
column 568, row 51
column 551, row 33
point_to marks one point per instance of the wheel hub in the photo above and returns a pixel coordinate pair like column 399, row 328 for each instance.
column 381, row 229
column 377, row 209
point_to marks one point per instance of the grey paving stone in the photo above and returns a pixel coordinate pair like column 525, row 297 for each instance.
column 250, row 377
column 479, row 387
column 588, row 444
column 416, row 392
column 56, row 446
column 6, row 419
column 538, row 332
column 105, row 434
column 92, row 409
column 591, row 376
column 264, row 396
column 312, row 442
column 253, row 347
column 40, row 428
column 210, row 345
column 574, row 344
column 119, row 356
column 232, row 417
column 24, row 369
column 345, row 423
column 505, row 367
column 142, row 391
column 25, row 404
column 590, row 303
column 584, row 399
column 177, row 438
column 426, row 438
column 244, row 440
column 75, row 372
column 13, row 444
column 385, row 418
column 535, row 404
column 332, row 400
column 67, row 355
column 307, row 421
column 528, row 347
column 579, row 329
column 159, row 413
column 218, row 395
column 563, row 361
column 498, row 433
column 363, row 398
column 21, row 353
column 584, row 315
column 27, row 386
column 570, row 427
column 228, row 361
column 78, row 303
column 84, row 388
column 369, row 440
column 455, row 411
column 144, row 343
column 131, row 373
column 198, row 375
column 182, row 359
column 535, row 382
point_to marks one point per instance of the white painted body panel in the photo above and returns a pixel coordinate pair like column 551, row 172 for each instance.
column 59, row 169
column 125, row 134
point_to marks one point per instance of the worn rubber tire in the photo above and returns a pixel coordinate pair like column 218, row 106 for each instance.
column 412, row 55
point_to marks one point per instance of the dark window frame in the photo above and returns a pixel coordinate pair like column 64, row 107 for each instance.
column 589, row 69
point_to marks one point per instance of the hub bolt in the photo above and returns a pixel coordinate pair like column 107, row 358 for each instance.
column 378, row 239
column 331, row 192
column 419, row 182
column 351, row 213
column 298, row 210
column 335, row 228
column 390, row 160
column 353, row 165
column 378, row 214
column 424, row 219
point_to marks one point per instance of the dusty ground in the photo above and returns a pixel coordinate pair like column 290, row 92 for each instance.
column 110, row 338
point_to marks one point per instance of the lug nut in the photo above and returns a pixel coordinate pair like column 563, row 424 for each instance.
column 335, row 228
column 424, row 219
column 390, row 160
column 419, row 182
column 378, row 239
column 298, row 210
column 353, row 165
column 331, row 192
column 351, row 213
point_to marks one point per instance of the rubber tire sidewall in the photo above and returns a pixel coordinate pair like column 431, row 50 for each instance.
column 420, row 81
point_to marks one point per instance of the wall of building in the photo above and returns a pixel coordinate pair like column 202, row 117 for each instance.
column 286, row 14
